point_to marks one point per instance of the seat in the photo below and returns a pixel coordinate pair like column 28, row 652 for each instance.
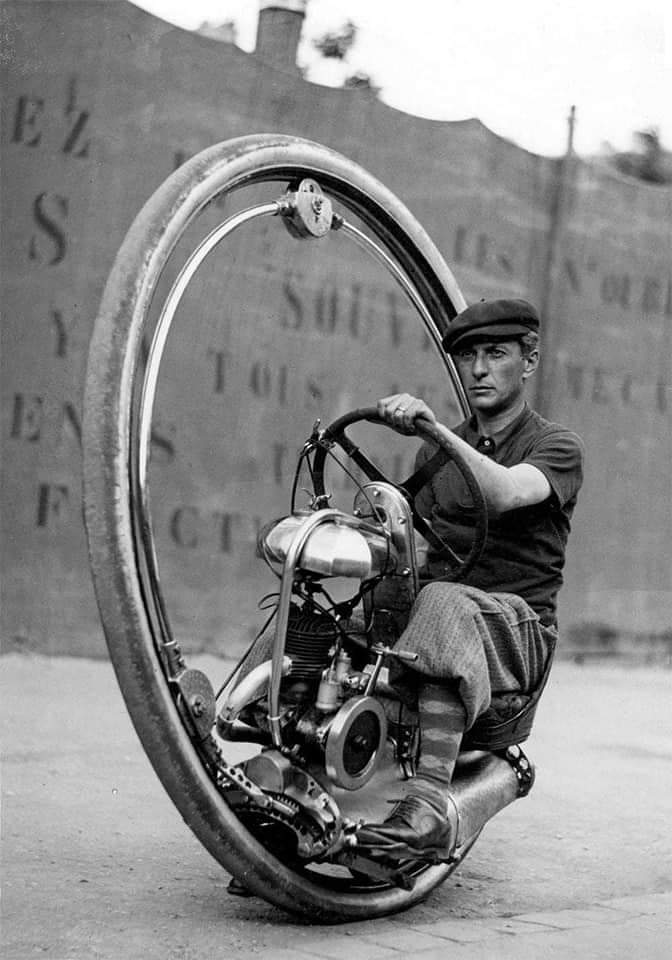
column 509, row 718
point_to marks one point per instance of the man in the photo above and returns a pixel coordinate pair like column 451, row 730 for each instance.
column 493, row 632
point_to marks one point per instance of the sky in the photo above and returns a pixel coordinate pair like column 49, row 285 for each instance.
column 518, row 66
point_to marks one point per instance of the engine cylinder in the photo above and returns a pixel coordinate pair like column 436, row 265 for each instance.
column 310, row 638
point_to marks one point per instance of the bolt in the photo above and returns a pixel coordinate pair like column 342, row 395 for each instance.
column 198, row 706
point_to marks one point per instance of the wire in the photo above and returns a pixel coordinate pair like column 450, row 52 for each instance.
column 249, row 650
column 304, row 455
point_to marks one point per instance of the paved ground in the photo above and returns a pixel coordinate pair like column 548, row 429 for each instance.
column 96, row 862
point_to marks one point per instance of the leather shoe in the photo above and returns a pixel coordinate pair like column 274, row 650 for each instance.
column 416, row 827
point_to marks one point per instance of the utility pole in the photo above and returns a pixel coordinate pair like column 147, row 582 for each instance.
column 547, row 378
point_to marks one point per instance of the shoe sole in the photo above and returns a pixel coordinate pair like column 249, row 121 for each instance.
column 442, row 853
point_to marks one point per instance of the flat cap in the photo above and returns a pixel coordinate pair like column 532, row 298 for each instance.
column 492, row 318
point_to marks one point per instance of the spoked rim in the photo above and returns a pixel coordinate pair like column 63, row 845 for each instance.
column 117, row 431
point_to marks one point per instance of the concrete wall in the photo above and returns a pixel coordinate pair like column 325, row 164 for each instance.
column 101, row 102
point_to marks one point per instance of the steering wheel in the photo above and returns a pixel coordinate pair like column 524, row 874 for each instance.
column 336, row 433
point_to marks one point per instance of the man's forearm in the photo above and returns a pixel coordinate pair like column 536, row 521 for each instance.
column 500, row 488
column 504, row 488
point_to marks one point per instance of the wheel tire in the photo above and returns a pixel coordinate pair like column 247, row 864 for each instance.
column 108, row 450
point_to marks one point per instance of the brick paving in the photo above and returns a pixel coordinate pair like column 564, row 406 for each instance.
column 621, row 929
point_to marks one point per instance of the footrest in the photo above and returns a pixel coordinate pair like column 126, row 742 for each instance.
column 381, row 868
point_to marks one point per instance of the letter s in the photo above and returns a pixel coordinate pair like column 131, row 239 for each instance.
column 46, row 222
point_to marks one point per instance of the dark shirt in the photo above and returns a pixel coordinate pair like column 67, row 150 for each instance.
column 525, row 550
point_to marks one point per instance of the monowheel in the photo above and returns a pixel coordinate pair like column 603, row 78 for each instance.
column 322, row 198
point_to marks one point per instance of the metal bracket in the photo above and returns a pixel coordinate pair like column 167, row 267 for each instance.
column 395, row 595
column 199, row 699
column 306, row 212
column 522, row 767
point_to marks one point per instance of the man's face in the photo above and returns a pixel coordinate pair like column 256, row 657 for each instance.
column 493, row 373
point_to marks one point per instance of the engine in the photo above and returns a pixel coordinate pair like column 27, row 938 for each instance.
column 311, row 695
column 325, row 714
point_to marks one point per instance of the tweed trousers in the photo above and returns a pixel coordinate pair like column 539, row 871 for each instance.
column 485, row 643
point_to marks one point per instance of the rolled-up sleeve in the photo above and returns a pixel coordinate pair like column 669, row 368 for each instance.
column 559, row 455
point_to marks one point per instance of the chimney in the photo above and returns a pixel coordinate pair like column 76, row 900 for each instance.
column 279, row 31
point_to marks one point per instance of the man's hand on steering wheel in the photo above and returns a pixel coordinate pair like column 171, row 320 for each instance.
column 408, row 415
column 401, row 410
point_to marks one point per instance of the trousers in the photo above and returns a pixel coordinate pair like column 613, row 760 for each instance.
column 484, row 643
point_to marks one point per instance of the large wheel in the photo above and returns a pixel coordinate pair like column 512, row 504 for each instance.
column 125, row 357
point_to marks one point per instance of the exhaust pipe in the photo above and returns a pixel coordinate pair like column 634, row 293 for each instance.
column 251, row 687
column 483, row 785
